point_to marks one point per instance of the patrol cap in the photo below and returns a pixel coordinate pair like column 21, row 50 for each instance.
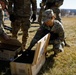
column 47, row 15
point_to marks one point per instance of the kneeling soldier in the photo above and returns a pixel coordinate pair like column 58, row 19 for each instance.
column 52, row 26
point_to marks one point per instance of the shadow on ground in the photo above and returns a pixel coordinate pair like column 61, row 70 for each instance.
column 47, row 65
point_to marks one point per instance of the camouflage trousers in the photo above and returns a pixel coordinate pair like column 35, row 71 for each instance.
column 24, row 24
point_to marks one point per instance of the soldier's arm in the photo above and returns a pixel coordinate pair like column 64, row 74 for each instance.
column 60, row 38
column 59, row 29
column 61, row 33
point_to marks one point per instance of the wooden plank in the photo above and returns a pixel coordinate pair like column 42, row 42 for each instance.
column 41, row 47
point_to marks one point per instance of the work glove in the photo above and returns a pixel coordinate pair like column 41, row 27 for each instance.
column 33, row 17
column 12, row 17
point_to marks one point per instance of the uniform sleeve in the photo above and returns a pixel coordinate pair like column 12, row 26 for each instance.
column 10, row 10
column 61, row 32
column 34, row 6
column 61, row 35
column 59, row 29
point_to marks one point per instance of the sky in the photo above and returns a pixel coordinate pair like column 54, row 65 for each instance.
column 68, row 4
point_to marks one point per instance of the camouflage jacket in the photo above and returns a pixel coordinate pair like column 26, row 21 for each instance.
column 22, row 7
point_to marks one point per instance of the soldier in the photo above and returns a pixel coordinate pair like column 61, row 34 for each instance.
column 20, row 11
column 52, row 26
column 54, row 5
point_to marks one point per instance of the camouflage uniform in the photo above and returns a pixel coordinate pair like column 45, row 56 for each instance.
column 54, row 5
column 22, row 12
column 56, row 31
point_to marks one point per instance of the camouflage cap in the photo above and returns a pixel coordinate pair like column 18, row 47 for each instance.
column 47, row 15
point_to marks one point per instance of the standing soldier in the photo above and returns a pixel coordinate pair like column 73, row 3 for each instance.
column 20, row 11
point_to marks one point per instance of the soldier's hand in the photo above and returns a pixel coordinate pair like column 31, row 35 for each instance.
column 33, row 17
column 12, row 17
